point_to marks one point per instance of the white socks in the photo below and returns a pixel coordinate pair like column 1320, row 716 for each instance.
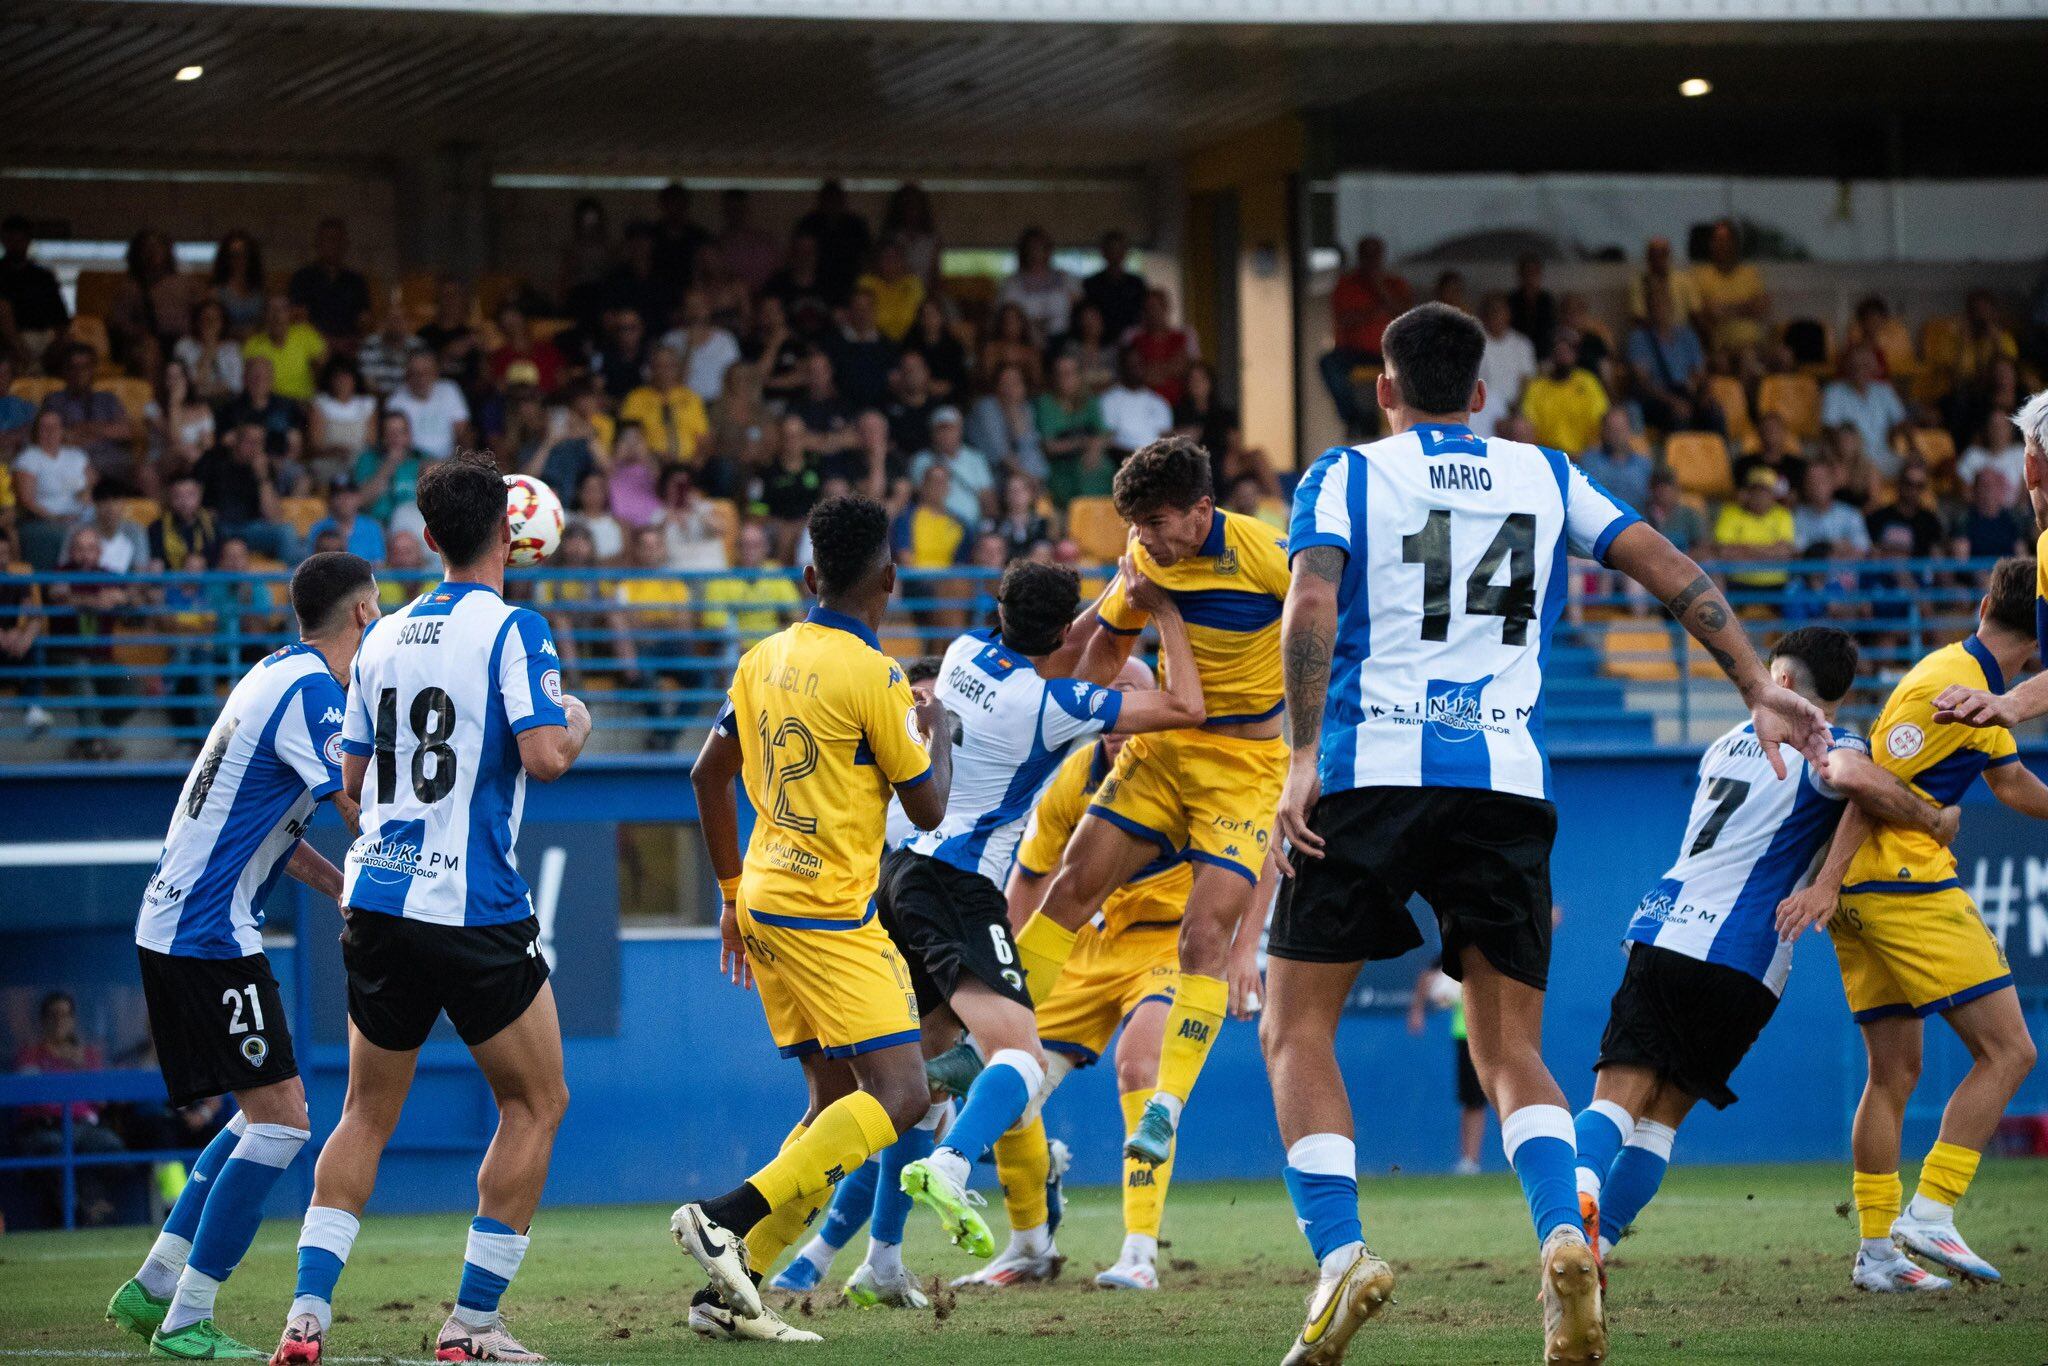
column 1140, row 1247
column 159, row 1273
column 1340, row 1258
column 1171, row 1104
column 1031, row 1242
column 1930, row 1211
column 1880, row 1249
column 193, row 1300
column 886, row 1258
column 949, row 1161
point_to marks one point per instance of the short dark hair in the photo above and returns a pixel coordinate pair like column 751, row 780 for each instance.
column 323, row 584
column 849, row 539
column 1828, row 654
column 462, row 499
column 1434, row 351
column 1034, row 604
column 923, row 669
column 2012, row 593
column 1171, row 472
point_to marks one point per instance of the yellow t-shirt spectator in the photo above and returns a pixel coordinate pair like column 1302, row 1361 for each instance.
column 896, row 304
column 1566, row 411
column 1721, row 290
column 757, row 606
column 1737, row 525
column 1685, row 297
column 292, row 362
column 675, row 422
column 649, row 596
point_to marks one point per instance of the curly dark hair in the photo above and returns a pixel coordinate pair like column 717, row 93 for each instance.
column 849, row 539
column 1828, row 654
column 1035, row 602
column 462, row 499
column 2012, row 593
column 1172, row 472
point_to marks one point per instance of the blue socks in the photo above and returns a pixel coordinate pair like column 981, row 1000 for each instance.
column 1633, row 1179
column 230, row 1215
column 995, row 1102
column 324, row 1244
column 1601, row 1129
column 891, row 1205
column 852, row 1200
column 489, row 1263
column 184, row 1219
column 1543, row 1149
column 1322, row 1180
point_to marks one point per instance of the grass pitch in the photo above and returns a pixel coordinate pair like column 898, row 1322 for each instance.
column 1746, row 1264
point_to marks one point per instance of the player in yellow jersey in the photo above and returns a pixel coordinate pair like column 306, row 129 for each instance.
column 822, row 727
column 1912, row 944
column 1208, row 794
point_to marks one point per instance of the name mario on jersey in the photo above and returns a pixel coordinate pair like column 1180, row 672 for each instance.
column 1456, row 475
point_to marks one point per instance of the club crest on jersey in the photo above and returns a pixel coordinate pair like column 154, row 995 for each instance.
column 1226, row 563
column 255, row 1050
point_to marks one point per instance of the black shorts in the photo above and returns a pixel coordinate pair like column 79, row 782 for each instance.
column 1480, row 859
column 1471, row 1095
column 1689, row 1022
column 219, row 1024
column 948, row 923
column 402, row 974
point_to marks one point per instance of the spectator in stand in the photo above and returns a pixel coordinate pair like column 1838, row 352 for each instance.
column 1117, row 293
column 574, row 607
column 1657, row 279
column 1135, row 414
column 1819, row 518
column 382, row 356
column 21, row 625
column 1989, row 527
column 667, row 410
column 861, row 356
column 897, row 290
column 1203, row 415
column 801, row 288
column 517, row 343
column 334, row 297
column 651, row 627
column 753, row 606
column 1820, row 594
column 1018, row 522
column 153, row 303
column 435, row 406
column 236, row 484
column 1450, row 289
column 238, row 284
column 241, row 611
column 1855, row 477
column 1565, row 402
column 826, row 417
column 751, row 251
column 911, row 403
column 1912, row 507
column 1681, row 523
column 292, row 349
column 1985, row 350
column 183, row 528
column 1669, row 367
column 635, row 477
column 928, row 534
column 1616, row 464
column 1507, row 365
column 181, row 423
column 1092, row 348
column 17, row 414
column 387, row 475
column 29, row 288
column 210, row 356
column 1998, row 447
column 81, row 628
column 791, row 486
column 908, row 219
column 1072, row 434
column 124, row 544
column 730, row 302
column 575, row 443
column 39, row 1129
column 676, row 237
column 1365, row 299
column 1863, row 399
column 282, row 420
column 873, row 468
column 634, row 285
column 843, row 241
column 592, row 511
column 776, row 351
column 1010, row 342
column 1755, row 526
column 972, row 492
column 1166, row 348
column 620, row 363
column 407, row 570
column 1777, row 449
column 94, row 419
column 1595, row 353
column 1044, row 292
column 1734, row 309
column 707, row 350
column 1531, row 307
column 944, row 354
column 359, row 535
column 1003, row 427
column 449, row 335
column 343, row 418
column 690, row 530
column 53, row 481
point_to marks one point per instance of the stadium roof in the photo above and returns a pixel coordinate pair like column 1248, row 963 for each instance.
column 704, row 86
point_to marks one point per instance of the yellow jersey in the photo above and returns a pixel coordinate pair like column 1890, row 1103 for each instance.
column 1156, row 896
column 827, row 729
column 675, row 421
column 1229, row 592
column 1937, row 761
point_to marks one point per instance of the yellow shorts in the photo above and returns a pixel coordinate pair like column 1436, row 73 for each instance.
column 1914, row 953
column 1211, row 795
column 1106, row 980
column 836, row 987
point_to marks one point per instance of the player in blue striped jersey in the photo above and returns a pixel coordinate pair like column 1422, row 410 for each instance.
column 1705, row 964
column 214, row 1009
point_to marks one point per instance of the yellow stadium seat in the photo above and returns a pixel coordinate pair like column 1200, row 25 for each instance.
column 302, row 512
column 1733, row 401
column 1096, row 528
column 1796, row 398
column 547, row 329
column 1894, row 342
column 141, row 511
column 416, row 295
column 135, row 395
column 138, row 656
column 90, row 331
column 35, row 388
column 1941, row 341
column 97, row 290
column 1700, row 460
column 906, row 648
column 493, row 290
column 1643, row 654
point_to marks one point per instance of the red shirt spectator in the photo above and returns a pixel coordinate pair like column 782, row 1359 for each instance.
column 1367, row 298
column 59, row 1050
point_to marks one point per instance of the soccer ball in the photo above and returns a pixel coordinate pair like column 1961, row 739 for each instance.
column 535, row 515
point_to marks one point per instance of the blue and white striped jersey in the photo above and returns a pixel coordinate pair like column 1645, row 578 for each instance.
column 1011, row 729
column 441, row 691
column 1454, row 577
column 274, row 752
column 1750, row 841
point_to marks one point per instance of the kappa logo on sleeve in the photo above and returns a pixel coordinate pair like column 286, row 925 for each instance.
column 331, row 717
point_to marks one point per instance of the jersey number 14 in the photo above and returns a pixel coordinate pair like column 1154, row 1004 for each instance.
column 1513, row 602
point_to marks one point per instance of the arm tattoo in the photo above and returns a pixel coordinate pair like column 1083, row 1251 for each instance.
column 1700, row 608
column 1323, row 561
column 1688, row 595
column 1306, row 668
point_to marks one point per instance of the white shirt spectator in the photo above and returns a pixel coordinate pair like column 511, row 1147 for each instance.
column 350, row 423
column 60, row 479
column 693, row 539
column 1874, row 411
column 1134, row 417
column 1047, row 300
column 224, row 376
column 1506, row 365
column 705, row 364
column 2010, row 461
column 1838, row 525
column 434, row 418
column 607, row 537
column 972, row 477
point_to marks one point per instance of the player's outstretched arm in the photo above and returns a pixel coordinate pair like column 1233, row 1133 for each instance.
column 925, row 803
column 2017, row 787
column 1308, row 637
column 1975, row 707
column 546, row 752
column 1177, row 703
column 1781, row 716
column 1813, row 906
column 1885, row 799
column 1104, row 652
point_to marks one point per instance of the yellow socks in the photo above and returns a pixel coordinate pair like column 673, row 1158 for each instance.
column 1197, row 1013
column 784, row 1224
column 1946, row 1173
column 1877, row 1203
column 850, row 1131
column 1043, row 947
column 1023, row 1162
column 1144, row 1186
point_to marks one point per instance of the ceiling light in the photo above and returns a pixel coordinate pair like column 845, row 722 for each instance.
column 1695, row 86
column 191, row 73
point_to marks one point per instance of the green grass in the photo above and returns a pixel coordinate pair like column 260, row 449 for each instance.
column 1746, row 1264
